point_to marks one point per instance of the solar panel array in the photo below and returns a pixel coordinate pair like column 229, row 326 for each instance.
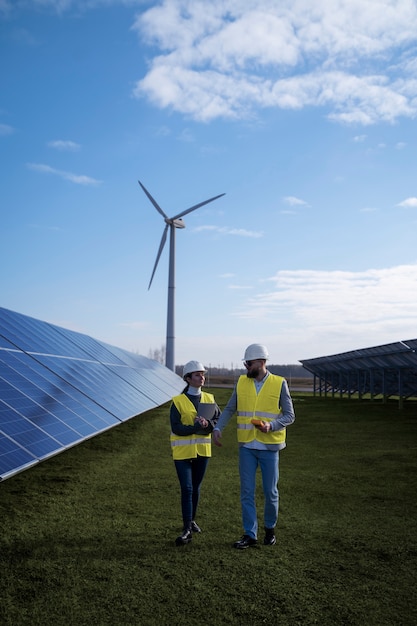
column 389, row 370
column 59, row 387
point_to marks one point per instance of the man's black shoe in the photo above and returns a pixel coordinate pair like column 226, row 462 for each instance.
column 195, row 527
column 270, row 538
column 184, row 538
column 245, row 542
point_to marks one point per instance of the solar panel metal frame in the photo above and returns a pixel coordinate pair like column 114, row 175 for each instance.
column 387, row 370
column 59, row 388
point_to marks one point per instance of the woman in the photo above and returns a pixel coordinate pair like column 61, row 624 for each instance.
column 193, row 416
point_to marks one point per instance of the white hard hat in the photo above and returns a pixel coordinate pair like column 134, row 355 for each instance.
column 256, row 351
column 193, row 366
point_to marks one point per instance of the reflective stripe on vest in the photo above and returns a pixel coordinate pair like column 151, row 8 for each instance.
column 264, row 406
column 184, row 441
column 189, row 446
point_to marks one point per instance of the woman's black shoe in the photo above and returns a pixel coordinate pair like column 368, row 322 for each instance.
column 195, row 527
column 184, row 538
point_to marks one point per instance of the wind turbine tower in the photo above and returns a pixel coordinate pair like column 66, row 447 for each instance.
column 171, row 223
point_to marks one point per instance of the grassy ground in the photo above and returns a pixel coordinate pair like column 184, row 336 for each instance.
column 87, row 538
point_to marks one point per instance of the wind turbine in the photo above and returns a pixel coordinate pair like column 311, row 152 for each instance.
column 171, row 223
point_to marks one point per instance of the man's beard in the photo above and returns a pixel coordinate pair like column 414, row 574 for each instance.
column 253, row 373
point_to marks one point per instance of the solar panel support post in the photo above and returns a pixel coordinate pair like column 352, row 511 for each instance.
column 400, row 389
column 384, row 387
column 372, row 383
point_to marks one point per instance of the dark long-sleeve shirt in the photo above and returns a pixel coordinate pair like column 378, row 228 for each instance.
column 180, row 429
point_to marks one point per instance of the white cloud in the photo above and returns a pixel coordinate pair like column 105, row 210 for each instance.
column 43, row 227
column 409, row 202
column 163, row 131
column 305, row 314
column 138, row 325
column 5, row 129
column 240, row 232
column 186, row 136
column 65, row 146
column 229, row 58
column 78, row 179
column 293, row 201
column 352, row 304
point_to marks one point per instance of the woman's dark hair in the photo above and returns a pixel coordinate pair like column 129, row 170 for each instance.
column 186, row 388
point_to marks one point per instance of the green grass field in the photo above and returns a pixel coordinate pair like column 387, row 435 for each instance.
column 87, row 538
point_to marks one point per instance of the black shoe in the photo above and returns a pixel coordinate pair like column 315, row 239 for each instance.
column 245, row 542
column 184, row 538
column 195, row 527
column 270, row 538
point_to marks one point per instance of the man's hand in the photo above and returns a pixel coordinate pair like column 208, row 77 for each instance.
column 266, row 427
column 217, row 435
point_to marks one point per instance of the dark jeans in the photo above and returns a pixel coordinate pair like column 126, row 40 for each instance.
column 190, row 474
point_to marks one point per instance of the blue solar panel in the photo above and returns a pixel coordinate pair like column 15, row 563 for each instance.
column 13, row 456
column 59, row 387
column 389, row 370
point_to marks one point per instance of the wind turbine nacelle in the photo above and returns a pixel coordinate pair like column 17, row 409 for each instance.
column 179, row 223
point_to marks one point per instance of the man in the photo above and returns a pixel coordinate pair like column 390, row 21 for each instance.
column 264, row 410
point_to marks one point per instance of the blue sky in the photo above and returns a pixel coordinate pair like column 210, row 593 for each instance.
column 303, row 113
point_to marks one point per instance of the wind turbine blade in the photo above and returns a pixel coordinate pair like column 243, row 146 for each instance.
column 196, row 206
column 154, row 202
column 161, row 247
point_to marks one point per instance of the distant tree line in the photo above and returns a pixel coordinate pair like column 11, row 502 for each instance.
column 288, row 371
column 157, row 354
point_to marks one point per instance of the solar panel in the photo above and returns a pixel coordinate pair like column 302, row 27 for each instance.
column 59, row 387
column 389, row 370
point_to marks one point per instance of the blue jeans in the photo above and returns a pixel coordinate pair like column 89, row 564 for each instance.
column 268, row 461
column 190, row 474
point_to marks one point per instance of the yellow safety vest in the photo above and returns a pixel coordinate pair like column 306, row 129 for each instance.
column 189, row 446
column 262, row 405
